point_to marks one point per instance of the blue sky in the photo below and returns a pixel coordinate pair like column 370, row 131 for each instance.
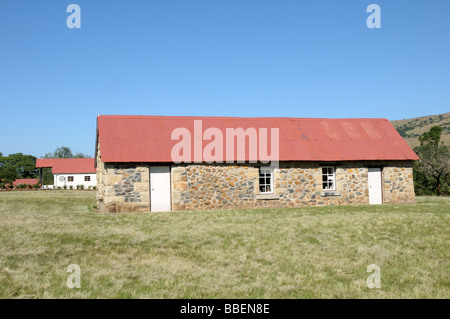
column 218, row 57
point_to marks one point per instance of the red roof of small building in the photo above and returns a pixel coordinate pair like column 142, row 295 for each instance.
column 27, row 181
column 68, row 165
column 148, row 138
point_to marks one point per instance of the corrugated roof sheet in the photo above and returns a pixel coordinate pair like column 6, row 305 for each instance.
column 26, row 181
column 68, row 165
column 148, row 138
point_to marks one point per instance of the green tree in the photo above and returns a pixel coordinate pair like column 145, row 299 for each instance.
column 64, row 152
column 47, row 176
column 432, row 137
column 434, row 162
column 8, row 174
column 17, row 166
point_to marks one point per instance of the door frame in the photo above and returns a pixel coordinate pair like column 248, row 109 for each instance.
column 381, row 183
column 150, row 184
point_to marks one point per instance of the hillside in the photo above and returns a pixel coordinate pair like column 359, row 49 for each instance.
column 411, row 129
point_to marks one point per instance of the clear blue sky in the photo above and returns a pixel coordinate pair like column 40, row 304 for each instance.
column 217, row 57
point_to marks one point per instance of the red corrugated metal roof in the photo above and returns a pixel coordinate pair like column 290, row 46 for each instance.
column 27, row 181
column 148, row 138
column 68, row 165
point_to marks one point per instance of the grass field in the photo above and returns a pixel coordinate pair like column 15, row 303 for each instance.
column 316, row 252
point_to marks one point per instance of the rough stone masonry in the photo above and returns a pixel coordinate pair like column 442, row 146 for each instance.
column 125, row 187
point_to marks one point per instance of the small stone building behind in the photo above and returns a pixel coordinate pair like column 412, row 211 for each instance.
column 321, row 162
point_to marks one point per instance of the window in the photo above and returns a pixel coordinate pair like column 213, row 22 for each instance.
column 70, row 178
column 328, row 178
column 87, row 178
column 265, row 180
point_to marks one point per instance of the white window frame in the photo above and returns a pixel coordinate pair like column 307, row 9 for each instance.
column 263, row 174
column 330, row 178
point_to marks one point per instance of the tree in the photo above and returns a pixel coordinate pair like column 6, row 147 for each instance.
column 434, row 159
column 17, row 166
column 8, row 174
column 47, row 176
column 432, row 137
column 64, row 152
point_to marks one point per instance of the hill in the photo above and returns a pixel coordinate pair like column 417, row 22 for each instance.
column 411, row 129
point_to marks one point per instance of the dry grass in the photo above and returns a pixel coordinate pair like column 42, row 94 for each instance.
column 317, row 252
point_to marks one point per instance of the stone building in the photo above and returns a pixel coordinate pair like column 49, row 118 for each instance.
column 151, row 163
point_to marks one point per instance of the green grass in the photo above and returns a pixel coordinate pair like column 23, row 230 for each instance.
column 315, row 252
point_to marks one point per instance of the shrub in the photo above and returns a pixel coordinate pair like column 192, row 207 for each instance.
column 65, row 186
column 22, row 186
column 37, row 186
column 71, row 186
column 94, row 187
column 81, row 186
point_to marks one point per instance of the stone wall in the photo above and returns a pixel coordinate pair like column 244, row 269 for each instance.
column 398, row 184
column 203, row 186
column 125, row 187
column 213, row 186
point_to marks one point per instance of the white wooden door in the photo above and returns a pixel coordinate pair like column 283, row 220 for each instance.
column 160, row 188
column 375, row 192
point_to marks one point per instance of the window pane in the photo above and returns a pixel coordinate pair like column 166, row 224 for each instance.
column 265, row 180
column 328, row 178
